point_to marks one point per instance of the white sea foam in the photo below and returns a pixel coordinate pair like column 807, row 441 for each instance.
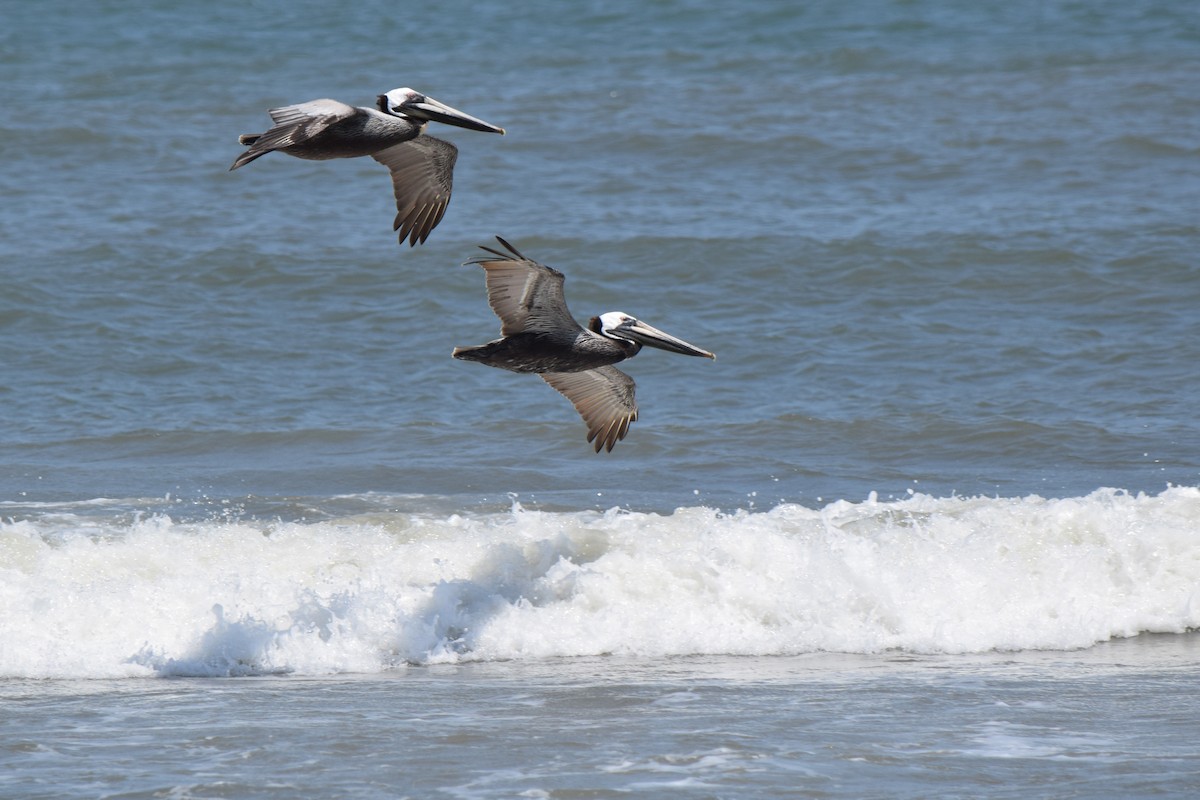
column 150, row 596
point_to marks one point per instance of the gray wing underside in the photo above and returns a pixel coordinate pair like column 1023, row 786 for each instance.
column 526, row 296
column 422, row 178
column 603, row 397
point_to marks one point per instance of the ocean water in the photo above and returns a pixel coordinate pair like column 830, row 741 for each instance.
column 929, row 526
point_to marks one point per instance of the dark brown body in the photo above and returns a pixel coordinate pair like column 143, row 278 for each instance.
column 546, row 352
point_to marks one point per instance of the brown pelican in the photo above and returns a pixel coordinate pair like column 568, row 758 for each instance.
column 391, row 133
column 540, row 335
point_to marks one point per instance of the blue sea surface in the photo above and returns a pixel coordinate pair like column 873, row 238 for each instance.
column 946, row 255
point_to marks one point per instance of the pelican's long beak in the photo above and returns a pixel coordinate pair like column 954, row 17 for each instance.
column 431, row 109
column 638, row 331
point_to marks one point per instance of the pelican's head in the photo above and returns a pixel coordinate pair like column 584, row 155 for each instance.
column 415, row 106
column 619, row 325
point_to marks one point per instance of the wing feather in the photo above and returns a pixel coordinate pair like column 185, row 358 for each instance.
column 333, row 110
column 422, row 179
column 301, row 122
column 604, row 397
column 526, row 296
column 293, row 125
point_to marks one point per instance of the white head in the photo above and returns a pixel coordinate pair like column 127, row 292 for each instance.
column 612, row 320
column 393, row 102
column 420, row 108
column 619, row 325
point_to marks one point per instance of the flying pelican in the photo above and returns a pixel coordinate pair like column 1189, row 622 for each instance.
column 540, row 335
column 391, row 133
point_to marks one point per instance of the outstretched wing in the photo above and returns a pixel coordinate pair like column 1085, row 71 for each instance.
column 422, row 177
column 603, row 397
column 294, row 125
column 526, row 296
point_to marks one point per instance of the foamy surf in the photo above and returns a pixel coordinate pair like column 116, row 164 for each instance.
column 122, row 595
